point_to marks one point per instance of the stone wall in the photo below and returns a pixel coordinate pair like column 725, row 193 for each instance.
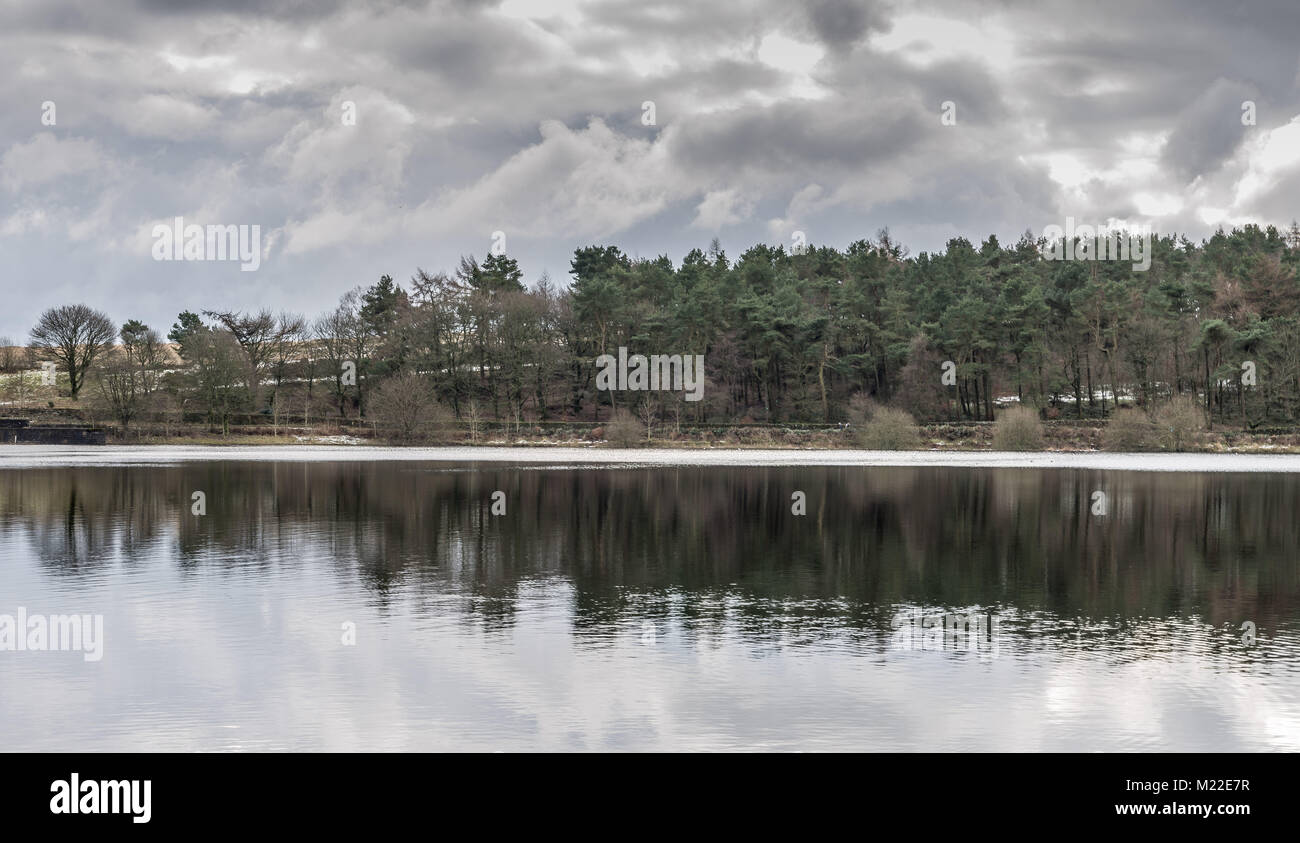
column 20, row 431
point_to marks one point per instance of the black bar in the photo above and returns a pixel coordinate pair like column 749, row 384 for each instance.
column 962, row 793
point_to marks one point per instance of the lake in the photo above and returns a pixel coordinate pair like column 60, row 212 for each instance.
column 358, row 604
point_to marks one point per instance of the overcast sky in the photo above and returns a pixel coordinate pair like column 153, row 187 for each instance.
column 526, row 117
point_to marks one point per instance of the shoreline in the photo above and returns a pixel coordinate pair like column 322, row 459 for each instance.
column 43, row 456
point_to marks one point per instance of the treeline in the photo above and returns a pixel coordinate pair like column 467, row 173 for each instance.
column 785, row 337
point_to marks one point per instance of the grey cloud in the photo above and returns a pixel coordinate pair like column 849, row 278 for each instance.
column 842, row 23
column 1209, row 130
column 803, row 135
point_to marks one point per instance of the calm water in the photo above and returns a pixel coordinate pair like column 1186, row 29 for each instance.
column 652, row 608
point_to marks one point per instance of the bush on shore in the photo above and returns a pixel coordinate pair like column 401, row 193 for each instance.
column 1129, row 431
column 889, row 429
column 1018, row 429
column 1180, row 424
column 624, row 431
column 404, row 409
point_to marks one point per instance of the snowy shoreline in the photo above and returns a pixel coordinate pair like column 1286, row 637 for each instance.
column 39, row 456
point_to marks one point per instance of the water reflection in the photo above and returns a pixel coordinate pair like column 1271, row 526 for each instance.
column 910, row 608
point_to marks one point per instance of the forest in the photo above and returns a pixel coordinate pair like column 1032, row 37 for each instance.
column 786, row 338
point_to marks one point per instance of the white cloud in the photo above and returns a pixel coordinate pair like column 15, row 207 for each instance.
column 1274, row 155
column 796, row 58
column 322, row 152
column 590, row 182
column 720, row 208
column 45, row 158
column 805, row 202
column 166, row 116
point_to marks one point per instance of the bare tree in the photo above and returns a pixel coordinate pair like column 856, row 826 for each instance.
column 8, row 355
column 21, row 385
column 403, row 407
column 215, row 359
column 359, row 340
column 328, row 332
column 648, row 412
column 348, row 344
column 287, row 346
column 475, row 418
column 142, row 347
column 119, row 389
column 75, row 335
column 255, row 333
column 130, row 374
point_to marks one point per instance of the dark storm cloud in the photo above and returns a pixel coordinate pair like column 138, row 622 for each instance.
column 803, row 135
column 843, row 23
column 295, row 10
column 261, row 8
column 877, row 83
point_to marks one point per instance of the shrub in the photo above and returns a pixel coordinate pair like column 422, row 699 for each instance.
column 403, row 409
column 624, row 431
column 1129, row 431
column 889, row 429
column 1179, row 424
column 1018, row 429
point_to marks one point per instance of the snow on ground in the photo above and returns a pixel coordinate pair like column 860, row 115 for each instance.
column 34, row 456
